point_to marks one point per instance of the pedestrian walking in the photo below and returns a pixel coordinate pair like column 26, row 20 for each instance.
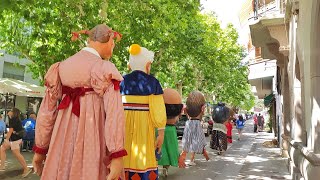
column 255, row 123
column 13, row 140
column 193, row 140
column 240, row 125
column 260, row 122
column 229, row 127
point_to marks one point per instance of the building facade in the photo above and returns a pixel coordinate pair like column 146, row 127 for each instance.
column 16, row 68
column 290, row 33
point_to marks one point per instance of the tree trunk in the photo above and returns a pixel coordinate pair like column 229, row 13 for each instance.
column 179, row 87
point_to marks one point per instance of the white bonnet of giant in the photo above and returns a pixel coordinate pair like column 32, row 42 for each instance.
column 139, row 57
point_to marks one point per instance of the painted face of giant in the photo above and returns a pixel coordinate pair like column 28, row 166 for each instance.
column 107, row 49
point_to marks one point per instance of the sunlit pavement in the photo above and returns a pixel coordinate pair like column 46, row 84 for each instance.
column 244, row 159
column 13, row 168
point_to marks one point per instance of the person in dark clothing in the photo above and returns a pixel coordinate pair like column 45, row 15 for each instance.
column 13, row 141
column 218, row 140
column 260, row 122
column 255, row 123
column 255, row 8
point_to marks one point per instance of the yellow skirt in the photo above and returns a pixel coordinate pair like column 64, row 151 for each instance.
column 140, row 131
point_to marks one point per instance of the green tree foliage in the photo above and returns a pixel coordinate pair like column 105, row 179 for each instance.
column 192, row 50
column 40, row 30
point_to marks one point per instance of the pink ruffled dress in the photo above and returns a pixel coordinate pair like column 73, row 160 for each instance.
column 87, row 130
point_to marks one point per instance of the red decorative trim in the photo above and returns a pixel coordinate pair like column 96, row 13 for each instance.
column 39, row 150
column 73, row 94
column 117, row 33
column 135, row 105
column 141, row 170
column 116, row 84
column 117, row 36
column 75, row 34
column 118, row 154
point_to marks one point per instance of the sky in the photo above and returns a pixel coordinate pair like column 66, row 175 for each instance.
column 227, row 12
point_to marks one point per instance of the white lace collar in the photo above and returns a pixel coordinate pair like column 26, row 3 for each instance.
column 91, row 50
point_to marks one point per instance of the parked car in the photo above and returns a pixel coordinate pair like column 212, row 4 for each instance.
column 208, row 119
column 180, row 125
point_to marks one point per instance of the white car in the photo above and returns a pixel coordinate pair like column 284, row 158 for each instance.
column 205, row 126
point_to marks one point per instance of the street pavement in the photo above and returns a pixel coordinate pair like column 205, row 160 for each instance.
column 13, row 168
column 244, row 159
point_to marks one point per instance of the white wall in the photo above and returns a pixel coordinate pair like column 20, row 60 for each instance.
column 13, row 59
column 263, row 69
column 303, row 42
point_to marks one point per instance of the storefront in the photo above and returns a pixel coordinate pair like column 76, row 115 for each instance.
column 24, row 96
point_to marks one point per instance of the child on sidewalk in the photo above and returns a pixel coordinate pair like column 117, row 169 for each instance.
column 240, row 126
column 229, row 125
column 193, row 139
column 229, row 130
column 218, row 141
column 170, row 149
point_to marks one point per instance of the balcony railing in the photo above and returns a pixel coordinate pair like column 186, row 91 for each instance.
column 264, row 8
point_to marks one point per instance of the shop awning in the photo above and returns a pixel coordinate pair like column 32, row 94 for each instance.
column 268, row 99
column 20, row 88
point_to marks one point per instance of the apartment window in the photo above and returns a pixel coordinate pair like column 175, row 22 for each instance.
column 13, row 71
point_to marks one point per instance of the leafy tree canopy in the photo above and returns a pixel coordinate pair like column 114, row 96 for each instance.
column 192, row 50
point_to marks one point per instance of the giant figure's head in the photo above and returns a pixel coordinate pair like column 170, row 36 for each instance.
column 101, row 38
column 140, row 58
column 195, row 104
column 220, row 113
column 173, row 103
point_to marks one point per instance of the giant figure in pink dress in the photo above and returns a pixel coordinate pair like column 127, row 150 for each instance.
column 82, row 137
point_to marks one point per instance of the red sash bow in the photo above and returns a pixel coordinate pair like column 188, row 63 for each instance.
column 73, row 94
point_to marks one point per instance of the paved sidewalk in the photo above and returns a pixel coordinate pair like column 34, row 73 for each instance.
column 14, row 169
column 245, row 159
column 262, row 162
